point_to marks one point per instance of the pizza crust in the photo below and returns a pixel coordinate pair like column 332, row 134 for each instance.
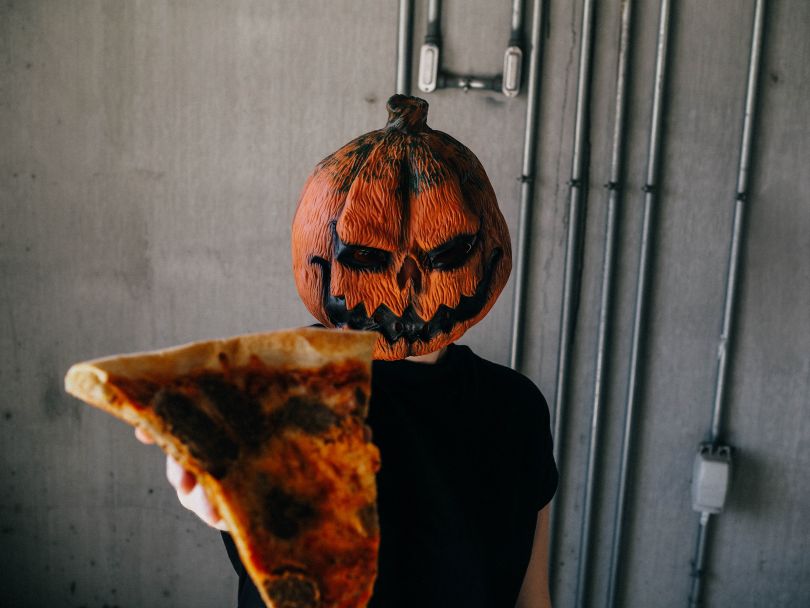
column 306, row 347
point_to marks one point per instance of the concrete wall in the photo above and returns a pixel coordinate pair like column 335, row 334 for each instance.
column 152, row 154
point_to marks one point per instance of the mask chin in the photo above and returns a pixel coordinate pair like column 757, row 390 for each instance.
column 385, row 351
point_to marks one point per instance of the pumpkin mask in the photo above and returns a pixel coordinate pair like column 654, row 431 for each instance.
column 399, row 232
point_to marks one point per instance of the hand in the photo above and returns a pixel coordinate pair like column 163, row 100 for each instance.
column 189, row 492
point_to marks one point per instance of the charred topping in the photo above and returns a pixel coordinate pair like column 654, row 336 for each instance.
column 137, row 391
column 293, row 591
column 307, row 415
column 258, row 381
column 239, row 411
column 208, row 443
column 368, row 519
column 285, row 514
column 361, row 410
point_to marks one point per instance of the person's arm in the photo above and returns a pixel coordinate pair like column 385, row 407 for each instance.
column 534, row 591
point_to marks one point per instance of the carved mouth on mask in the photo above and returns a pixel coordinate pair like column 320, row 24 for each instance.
column 409, row 327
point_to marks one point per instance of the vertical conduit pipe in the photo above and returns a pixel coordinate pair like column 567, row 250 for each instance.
column 732, row 278
column 608, row 264
column 699, row 561
column 516, row 22
column 404, row 46
column 743, row 178
column 434, row 19
column 572, row 248
column 586, row 524
column 527, row 178
column 571, row 276
column 642, row 287
column 617, row 158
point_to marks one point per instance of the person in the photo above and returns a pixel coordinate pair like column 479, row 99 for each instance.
column 404, row 223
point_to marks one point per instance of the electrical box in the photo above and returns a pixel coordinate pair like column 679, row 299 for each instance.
column 711, row 478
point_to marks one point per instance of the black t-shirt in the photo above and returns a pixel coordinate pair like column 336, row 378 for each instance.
column 466, row 465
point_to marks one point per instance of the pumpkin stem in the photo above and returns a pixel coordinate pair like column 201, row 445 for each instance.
column 407, row 114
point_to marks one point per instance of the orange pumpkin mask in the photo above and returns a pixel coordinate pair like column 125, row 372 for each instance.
column 399, row 232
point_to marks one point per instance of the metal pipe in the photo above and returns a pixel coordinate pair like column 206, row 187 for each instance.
column 608, row 271
column 572, row 250
column 732, row 280
column 448, row 80
column 699, row 561
column 608, row 264
column 572, row 246
column 404, row 42
column 586, row 524
column 743, row 177
column 517, row 22
column 642, row 288
column 527, row 178
column 434, row 25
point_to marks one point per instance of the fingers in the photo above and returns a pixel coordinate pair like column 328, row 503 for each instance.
column 197, row 502
column 143, row 436
column 192, row 495
column 182, row 481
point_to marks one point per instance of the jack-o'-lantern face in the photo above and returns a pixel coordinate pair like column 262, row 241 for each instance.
column 399, row 232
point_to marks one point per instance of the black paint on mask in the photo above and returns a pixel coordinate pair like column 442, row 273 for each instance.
column 409, row 326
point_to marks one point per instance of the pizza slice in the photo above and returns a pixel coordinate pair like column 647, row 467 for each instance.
column 273, row 426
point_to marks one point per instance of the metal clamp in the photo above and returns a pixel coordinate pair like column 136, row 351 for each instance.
column 428, row 67
column 432, row 77
column 512, row 66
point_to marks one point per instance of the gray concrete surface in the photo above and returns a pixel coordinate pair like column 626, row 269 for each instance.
column 151, row 155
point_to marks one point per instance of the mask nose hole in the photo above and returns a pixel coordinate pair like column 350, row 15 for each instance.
column 410, row 272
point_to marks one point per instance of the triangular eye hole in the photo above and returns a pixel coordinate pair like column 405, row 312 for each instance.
column 453, row 253
column 359, row 257
column 363, row 258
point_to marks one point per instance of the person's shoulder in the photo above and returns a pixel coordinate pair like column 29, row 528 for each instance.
column 509, row 383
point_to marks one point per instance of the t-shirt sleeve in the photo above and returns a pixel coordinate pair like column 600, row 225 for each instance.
column 539, row 470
